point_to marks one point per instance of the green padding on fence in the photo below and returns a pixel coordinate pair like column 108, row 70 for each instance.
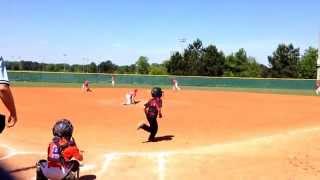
column 297, row 84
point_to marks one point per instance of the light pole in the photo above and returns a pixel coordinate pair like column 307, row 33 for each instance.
column 318, row 61
column 98, row 59
column 84, row 60
column 65, row 61
column 182, row 42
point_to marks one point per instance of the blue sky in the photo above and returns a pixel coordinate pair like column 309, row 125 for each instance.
column 124, row 30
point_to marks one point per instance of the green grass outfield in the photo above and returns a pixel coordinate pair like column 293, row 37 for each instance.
column 310, row 92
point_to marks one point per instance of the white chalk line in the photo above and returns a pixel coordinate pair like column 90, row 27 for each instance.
column 162, row 165
column 107, row 161
column 161, row 156
column 13, row 152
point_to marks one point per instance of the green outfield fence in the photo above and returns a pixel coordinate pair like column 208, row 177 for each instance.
column 195, row 81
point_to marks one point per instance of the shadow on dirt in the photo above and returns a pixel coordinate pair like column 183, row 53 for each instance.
column 85, row 177
column 161, row 138
column 22, row 169
column 88, row 177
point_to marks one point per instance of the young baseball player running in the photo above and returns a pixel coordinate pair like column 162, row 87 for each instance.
column 63, row 155
column 152, row 110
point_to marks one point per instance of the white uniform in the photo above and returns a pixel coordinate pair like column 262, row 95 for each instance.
column 318, row 90
column 175, row 85
column 54, row 172
column 129, row 98
column 113, row 81
column 3, row 72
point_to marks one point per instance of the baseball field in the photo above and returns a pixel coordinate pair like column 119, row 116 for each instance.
column 204, row 134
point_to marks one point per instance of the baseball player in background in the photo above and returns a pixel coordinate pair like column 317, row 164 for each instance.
column 175, row 85
column 85, row 86
column 130, row 97
column 318, row 87
column 113, row 79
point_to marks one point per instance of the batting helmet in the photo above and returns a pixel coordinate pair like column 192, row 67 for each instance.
column 63, row 128
column 156, row 92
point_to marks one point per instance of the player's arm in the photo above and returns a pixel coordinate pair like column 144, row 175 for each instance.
column 159, row 109
column 7, row 99
column 160, row 113
column 72, row 152
column 146, row 106
column 78, row 156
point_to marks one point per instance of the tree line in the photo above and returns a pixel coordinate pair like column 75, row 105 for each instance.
column 199, row 60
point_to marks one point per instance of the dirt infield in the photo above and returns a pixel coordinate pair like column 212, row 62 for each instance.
column 203, row 134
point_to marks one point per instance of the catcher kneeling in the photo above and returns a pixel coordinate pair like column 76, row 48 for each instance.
column 63, row 155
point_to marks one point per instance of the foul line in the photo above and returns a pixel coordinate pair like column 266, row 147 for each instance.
column 162, row 156
column 13, row 152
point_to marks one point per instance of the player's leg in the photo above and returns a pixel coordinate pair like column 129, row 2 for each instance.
column 177, row 87
column 318, row 90
column 52, row 172
column 153, row 129
column 131, row 99
column 127, row 99
column 74, row 171
column 39, row 173
column 144, row 127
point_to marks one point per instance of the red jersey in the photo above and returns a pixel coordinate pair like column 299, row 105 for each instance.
column 153, row 106
column 86, row 83
column 58, row 156
column 174, row 81
column 133, row 93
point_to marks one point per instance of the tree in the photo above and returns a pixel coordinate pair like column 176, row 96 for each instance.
column 265, row 71
column 76, row 68
column 92, row 67
column 176, row 65
column 192, row 58
column 126, row 69
column 212, row 62
column 157, row 69
column 308, row 64
column 107, row 67
column 253, row 69
column 142, row 65
column 238, row 64
column 284, row 62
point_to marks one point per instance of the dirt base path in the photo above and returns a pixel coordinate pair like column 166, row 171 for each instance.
column 203, row 135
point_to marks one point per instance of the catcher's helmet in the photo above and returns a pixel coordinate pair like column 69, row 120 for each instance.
column 63, row 128
column 156, row 92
